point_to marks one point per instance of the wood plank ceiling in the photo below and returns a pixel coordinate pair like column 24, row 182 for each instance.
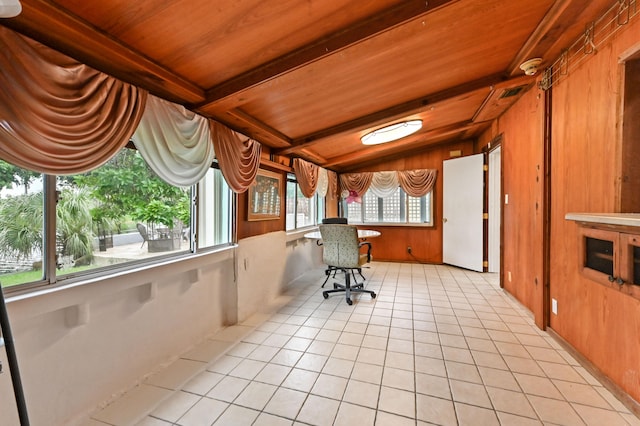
column 308, row 78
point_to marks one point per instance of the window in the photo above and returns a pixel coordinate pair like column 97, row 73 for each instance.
column 214, row 210
column 21, row 225
column 117, row 214
column 398, row 208
column 630, row 146
column 301, row 211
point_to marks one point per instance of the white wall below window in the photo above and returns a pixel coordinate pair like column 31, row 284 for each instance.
column 79, row 347
column 266, row 265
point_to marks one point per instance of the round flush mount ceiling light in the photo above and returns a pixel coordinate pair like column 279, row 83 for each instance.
column 392, row 132
column 10, row 8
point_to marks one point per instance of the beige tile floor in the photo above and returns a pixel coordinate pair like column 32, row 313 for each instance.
column 439, row 345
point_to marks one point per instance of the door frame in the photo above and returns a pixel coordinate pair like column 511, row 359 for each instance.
column 495, row 144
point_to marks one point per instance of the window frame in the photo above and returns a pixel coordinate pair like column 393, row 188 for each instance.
column 318, row 205
column 404, row 210
column 52, row 277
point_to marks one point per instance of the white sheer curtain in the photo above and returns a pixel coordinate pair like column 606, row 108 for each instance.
column 175, row 142
column 384, row 184
column 323, row 182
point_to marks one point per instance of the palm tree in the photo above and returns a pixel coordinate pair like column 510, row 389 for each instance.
column 74, row 230
column 21, row 225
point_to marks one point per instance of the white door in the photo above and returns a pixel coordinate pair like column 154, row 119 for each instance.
column 463, row 196
column 495, row 199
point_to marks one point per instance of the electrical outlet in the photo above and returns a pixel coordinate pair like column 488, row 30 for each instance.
column 409, row 249
column 554, row 306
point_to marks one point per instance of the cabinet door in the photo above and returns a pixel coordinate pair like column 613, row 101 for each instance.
column 599, row 251
column 630, row 263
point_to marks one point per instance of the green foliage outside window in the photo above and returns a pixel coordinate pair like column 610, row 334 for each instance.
column 99, row 203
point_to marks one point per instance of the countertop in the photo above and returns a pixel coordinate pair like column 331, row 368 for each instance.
column 624, row 219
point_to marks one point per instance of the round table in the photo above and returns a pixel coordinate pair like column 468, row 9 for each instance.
column 362, row 234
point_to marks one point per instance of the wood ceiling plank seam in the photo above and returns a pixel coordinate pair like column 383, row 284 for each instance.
column 339, row 40
column 59, row 29
column 388, row 115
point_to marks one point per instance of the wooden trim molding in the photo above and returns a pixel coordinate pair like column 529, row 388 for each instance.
column 617, row 391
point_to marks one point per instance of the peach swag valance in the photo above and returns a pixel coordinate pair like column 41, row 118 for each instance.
column 307, row 175
column 57, row 115
column 238, row 156
column 358, row 182
column 415, row 183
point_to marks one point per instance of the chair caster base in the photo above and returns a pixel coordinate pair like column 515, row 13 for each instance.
column 373, row 295
column 325, row 294
column 349, row 301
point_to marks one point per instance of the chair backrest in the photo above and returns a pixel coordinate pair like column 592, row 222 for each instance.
column 341, row 246
column 143, row 231
column 335, row 220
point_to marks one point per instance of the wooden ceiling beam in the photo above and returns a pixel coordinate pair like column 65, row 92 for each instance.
column 58, row 29
column 406, row 144
column 355, row 166
column 253, row 124
column 395, row 112
column 329, row 45
column 546, row 33
column 312, row 157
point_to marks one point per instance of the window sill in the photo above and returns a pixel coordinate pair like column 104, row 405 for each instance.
column 298, row 234
column 112, row 281
column 393, row 224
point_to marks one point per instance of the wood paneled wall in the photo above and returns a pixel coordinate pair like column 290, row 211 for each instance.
column 602, row 323
column 522, row 170
column 252, row 228
column 425, row 242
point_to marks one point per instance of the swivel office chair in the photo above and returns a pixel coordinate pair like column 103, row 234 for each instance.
column 342, row 250
column 330, row 269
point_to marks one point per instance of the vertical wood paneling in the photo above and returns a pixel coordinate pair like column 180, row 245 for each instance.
column 600, row 322
column 251, row 228
column 522, row 168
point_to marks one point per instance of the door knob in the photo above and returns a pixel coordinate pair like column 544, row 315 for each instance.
column 444, row 220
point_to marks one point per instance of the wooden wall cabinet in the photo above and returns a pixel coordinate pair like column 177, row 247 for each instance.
column 611, row 257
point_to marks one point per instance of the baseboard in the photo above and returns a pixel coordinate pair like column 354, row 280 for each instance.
column 617, row 391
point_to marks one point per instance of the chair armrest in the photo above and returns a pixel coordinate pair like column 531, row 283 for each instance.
column 368, row 244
